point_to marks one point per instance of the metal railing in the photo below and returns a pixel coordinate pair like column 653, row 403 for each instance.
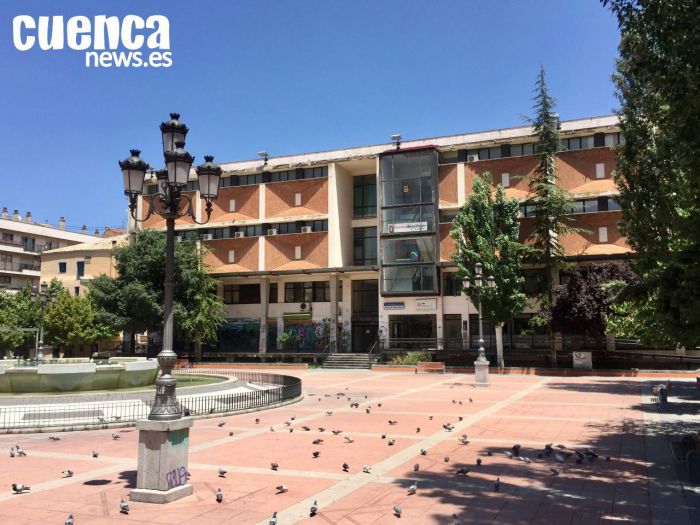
column 18, row 267
column 278, row 389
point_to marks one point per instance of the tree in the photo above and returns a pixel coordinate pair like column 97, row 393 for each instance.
column 11, row 317
column 658, row 85
column 551, row 203
column 71, row 322
column 486, row 231
column 133, row 301
column 585, row 302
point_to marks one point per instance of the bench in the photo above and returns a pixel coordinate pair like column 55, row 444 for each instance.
column 430, row 367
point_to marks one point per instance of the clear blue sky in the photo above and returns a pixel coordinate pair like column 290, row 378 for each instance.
column 288, row 77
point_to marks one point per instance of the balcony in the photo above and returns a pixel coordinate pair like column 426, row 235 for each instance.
column 18, row 267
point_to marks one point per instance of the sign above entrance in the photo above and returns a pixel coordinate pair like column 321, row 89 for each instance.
column 408, row 227
column 426, row 304
column 394, row 305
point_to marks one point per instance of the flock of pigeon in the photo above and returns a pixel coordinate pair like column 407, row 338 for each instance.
column 560, row 454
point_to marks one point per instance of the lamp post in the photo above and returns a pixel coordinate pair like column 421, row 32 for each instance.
column 481, row 365
column 159, row 452
column 43, row 297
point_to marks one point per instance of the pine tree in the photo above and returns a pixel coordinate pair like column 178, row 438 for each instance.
column 552, row 204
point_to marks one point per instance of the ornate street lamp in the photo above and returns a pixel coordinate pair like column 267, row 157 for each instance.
column 481, row 365
column 170, row 203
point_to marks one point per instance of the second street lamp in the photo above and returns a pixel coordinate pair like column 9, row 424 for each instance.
column 481, row 365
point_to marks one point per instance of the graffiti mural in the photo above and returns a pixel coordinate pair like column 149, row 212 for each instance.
column 309, row 336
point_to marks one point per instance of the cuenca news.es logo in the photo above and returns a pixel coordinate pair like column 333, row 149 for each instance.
column 108, row 41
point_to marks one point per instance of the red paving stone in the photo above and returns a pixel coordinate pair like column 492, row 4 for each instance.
column 530, row 410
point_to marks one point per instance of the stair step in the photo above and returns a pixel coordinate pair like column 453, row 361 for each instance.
column 347, row 361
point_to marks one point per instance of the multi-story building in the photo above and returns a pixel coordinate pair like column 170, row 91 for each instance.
column 351, row 245
column 22, row 241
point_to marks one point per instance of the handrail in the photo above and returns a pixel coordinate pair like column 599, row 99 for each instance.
column 327, row 350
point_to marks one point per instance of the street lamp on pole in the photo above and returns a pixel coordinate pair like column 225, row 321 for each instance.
column 43, row 297
column 171, row 203
column 481, row 365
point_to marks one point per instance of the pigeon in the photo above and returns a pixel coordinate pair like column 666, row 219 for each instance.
column 366, row 469
column 456, row 520
column 497, row 485
column 273, row 519
column 489, row 453
column 291, row 418
column 346, row 467
column 464, row 440
column 478, row 462
column 230, row 434
column 117, row 418
column 349, row 439
column 383, row 435
column 412, row 489
column 316, row 454
column 367, row 410
column 281, row 489
column 524, row 459
column 336, row 432
column 221, row 423
column 454, row 401
column 460, row 418
column 416, row 467
column 257, row 420
column 509, row 454
column 423, row 452
column 516, row 450
column 123, row 506
column 101, row 419
column 115, row 435
column 317, row 441
column 448, row 426
column 460, row 402
column 12, row 452
column 321, row 429
column 397, row 511
column 447, row 459
column 561, row 447
column 354, row 405
column 555, row 472
column 470, row 400
column 559, row 457
column 222, row 473
column 219, row 496
column 391, row 442
column 288, row 423
column 68, row 473
column 272, row 429
column 393, row 422
column 274, row 466
column 54, row 438
column 417, row 430
column 463, row 471
column 329, row 412
column 314, row 508
column 305, row 428
column 291, row 430
column 95, row 454
column 19, row 488
column 548, row 450
column 21, row 452
column 430, row 418
column 69, row 520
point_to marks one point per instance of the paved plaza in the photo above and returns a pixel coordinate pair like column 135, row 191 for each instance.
column 611, row 416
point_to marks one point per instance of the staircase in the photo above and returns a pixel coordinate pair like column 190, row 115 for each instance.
column 347, row 361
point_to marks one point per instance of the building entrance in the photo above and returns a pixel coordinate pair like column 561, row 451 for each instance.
column 412, row 327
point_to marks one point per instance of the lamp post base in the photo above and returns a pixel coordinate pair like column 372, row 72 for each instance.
column 481, row 373
column 163, row 459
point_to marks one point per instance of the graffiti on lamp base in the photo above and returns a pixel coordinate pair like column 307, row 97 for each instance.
column 176, row 477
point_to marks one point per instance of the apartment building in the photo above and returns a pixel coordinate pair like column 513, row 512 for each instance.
column 352, row 245
column 23, row 240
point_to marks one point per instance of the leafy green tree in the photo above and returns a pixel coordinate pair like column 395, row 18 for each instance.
column 486, row 231
column 133, row 301
column 658, row 85
column 551, row 203
column 71, row 322
column 584, row 304
column 11, row 317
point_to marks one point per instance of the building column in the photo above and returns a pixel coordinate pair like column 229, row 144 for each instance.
column 334, row 309
column 264, row 307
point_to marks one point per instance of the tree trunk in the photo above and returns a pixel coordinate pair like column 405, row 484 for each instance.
column 499, row 344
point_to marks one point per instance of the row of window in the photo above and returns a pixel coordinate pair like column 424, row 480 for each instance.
column 257, row 230
column 79, row 268
column 301, row 292
column 598, row 140
column 364, row 196
column 578, row 206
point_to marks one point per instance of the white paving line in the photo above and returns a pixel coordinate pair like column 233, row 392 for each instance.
column 300, row 510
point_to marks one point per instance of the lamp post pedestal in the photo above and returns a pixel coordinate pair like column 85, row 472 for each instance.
column 163, row 461
column 481, row 372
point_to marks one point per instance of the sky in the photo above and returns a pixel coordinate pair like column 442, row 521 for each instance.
column 286, row 77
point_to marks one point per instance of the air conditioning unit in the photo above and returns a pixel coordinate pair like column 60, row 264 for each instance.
column 207, row 237
column 304, row 306
column 272, row 231
column 472, row 158
column 178, row 238
column 306, row 229
column 239, row 235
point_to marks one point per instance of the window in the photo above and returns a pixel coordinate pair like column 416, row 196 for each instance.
column 613, row 139
column 62, row 267
column 250, row 231
column 600, row 170
column 283, row 176
column 584, row 206
column 272, row 298
column 448, row 157
column 527, row 209
column 364, row 196
column 410, row 250
column 297, row 252
column 76, row 291
column 242, row 294
column 535, row 281
column 28, row 244
column 297, row 199
column 5, row 281
column 232, row 205
column 603, row 234
column 7, row 236
column 306, row 292
column 151, row 189
column 409, row 279
column 365, row 252
column 576, row 143
column 408, row 219
column 231, row 256
column 316, row 173
column 447, row 215
column 80, row 269
column 365, row 297
column 614, row 204
column 246, row 180
column 503, row 151
column 505, row 180
column 451, row 285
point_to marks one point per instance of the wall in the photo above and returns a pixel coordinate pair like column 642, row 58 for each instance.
column 279, row 198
